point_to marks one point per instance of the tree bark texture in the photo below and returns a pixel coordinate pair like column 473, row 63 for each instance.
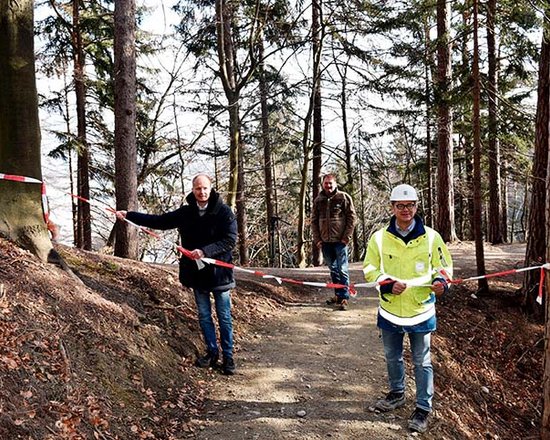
column 227, row 75
column 545, row 422
column 494, row 226
column 21, row 216
column 307, row 147
column 126, row 242
column 536, row 235
column 232, row 86
column 317, row 158
column 84, row 218
column 478, row 231
column 349, row 187
column 445, row 192
column 427, row 88
column 271, row 221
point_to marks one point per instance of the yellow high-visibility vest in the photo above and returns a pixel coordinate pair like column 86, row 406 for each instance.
column 416, row 264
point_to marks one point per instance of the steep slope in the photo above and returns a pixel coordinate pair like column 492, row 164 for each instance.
column 109, row 354
column 108, row 357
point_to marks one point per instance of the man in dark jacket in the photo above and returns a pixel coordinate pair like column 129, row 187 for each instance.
column 332, row 222
column 208, row 228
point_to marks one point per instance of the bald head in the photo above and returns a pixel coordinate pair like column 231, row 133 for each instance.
column 202, row 186
column 205, row 176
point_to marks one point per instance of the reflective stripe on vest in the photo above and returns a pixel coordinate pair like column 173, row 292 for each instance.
column 414, row 320
column 428, row 309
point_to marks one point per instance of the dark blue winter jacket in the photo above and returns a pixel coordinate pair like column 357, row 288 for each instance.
column 215, row 233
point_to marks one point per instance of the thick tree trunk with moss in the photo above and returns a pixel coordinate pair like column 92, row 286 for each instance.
column 21, row 216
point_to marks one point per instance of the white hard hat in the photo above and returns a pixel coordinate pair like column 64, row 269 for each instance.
column 403, row 192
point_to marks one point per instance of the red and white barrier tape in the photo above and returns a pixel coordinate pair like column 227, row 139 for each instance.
column 352, row 287
column 15, row 178
column 24, row 179
column 200, row 262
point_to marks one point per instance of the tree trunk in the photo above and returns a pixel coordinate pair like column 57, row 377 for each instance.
column 536, row 236
column 228, row 77
column 478, row 234
column 504, row 198
column 301, row 260
column 268, row 174
column 21, row 216
column 349, row 186
column 493, row 154
column 316, row 13
column 445, row 191
column 545, row 422
column 241, row 213
column 224, row 16
column 427, row 94
column 126, row 241
column 84, row 218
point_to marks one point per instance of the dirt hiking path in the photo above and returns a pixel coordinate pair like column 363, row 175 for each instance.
column 313, row 372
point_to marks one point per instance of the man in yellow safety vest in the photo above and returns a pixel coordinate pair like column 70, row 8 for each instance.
column 412, row 264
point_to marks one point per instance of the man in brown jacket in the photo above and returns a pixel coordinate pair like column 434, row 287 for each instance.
column 332, row 223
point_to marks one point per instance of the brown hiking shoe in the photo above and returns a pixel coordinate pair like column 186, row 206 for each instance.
column 331, row 301
column 343, row 305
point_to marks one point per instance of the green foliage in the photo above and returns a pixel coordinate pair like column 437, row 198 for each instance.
column 378, row 56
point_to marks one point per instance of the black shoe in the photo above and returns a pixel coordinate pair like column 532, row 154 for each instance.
column 228, row 366
column 343, row 304
column 392, row 401
column 332, row 300
column 208, row 360
column 418, row 421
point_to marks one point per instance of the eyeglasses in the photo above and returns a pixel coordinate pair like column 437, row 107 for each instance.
column 402, row 206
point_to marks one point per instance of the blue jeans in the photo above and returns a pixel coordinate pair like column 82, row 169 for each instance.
column 222, row 301
column 421, row 357
column 336, row 258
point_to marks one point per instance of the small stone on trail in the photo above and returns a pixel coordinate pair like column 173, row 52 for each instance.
column 485, row 390
column 301, row 413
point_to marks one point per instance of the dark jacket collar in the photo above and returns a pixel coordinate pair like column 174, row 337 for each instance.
column 214, row 202
column 417, row 231
column 329, row 195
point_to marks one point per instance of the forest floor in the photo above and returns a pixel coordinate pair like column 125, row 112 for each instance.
column 108, row 354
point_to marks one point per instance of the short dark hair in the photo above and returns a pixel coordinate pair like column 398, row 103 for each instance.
column 331, row 176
